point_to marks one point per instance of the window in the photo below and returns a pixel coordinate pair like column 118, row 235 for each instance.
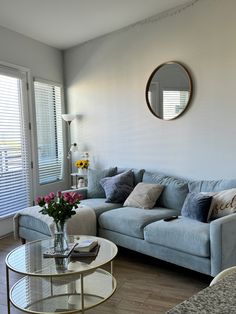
column 15, row 170
column 174, row 101
column 48, row 102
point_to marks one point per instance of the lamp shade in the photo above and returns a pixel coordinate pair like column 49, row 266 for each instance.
column 68, row 117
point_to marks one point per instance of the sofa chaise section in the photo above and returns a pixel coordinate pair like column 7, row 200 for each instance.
column 31, row 229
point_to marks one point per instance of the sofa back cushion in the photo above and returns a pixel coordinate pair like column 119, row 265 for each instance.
column 95, row 190
column 211, row 186
column 138, row 174
column 175, row 189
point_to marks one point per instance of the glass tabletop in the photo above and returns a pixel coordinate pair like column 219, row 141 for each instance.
column 28, row 259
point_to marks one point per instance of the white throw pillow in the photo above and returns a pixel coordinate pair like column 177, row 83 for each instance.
column 144, row 195
column 223, row 203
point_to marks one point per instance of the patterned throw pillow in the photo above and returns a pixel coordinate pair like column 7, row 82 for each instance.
column 144, row 195
column 223, row 203
column 197, row 206
column 118, row 188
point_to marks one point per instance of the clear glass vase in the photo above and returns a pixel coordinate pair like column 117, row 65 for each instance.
column 60, row 237
column 61, row 264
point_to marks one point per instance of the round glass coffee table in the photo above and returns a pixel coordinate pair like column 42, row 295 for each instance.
column 61, row 285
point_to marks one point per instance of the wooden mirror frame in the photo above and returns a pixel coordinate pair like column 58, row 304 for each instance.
column 190, row 83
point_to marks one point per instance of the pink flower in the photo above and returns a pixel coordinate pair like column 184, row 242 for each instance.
column 67, row 198
column 38, row 199
column 52, row 195
column 60, row 208
column 66, row 194
column 78, row 197
column 72, row 194
column 47, row 199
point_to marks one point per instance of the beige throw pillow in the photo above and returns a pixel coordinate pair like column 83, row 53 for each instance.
column 223, row 203
column 144, row 195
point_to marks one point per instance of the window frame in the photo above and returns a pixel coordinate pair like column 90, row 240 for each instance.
column 24, row 74
column 64, row 139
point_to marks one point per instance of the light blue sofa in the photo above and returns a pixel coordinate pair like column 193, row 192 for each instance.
column 204, row 247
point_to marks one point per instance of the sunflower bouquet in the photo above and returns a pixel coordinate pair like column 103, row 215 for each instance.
column 82, row 164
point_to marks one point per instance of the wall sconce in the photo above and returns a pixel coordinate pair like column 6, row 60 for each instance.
column 73, row 149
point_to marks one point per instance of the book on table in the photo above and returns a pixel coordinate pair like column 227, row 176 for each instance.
column 82, row 248
column 85, row 246
column 52, row 253
column 86, row 255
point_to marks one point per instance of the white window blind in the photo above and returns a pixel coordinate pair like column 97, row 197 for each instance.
column 14, row 148
column 49, row 131
column 174, row 101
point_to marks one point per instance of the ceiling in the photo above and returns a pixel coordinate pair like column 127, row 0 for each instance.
column 66, row 23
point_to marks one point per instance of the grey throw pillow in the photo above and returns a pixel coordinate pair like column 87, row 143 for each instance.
column 118, row 188
column 144, row 195
column 95, row 189
column 196, row 206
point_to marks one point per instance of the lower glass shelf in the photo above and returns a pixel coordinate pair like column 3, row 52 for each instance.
column 60, row 295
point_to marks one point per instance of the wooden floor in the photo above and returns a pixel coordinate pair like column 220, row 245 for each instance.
column 145, row 285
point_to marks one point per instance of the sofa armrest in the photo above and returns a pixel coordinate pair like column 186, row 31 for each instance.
column 223, row 243
column 82, row 191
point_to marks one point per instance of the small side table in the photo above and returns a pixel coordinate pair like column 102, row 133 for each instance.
column 75, row 176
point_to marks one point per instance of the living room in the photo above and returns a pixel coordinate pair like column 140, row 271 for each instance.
column 104, row 81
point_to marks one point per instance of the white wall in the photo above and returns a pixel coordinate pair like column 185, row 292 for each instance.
column 42, row 60
column 106, row 81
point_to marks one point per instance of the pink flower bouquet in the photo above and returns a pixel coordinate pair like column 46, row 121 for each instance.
column 61, row 206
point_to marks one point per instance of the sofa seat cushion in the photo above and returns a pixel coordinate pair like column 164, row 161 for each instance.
column 99, row 205
column 130, row 220
column 183, row 234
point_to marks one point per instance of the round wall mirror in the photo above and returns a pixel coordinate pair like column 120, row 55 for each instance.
column 169, row 90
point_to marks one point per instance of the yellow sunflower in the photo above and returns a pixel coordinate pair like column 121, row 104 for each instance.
column 82, row 163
